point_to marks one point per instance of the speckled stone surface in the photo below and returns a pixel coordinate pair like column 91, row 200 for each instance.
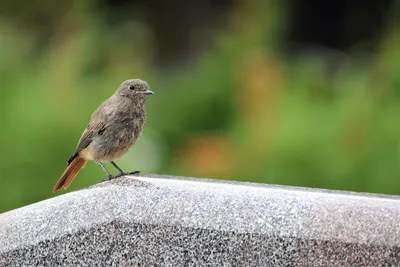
column 171, row 221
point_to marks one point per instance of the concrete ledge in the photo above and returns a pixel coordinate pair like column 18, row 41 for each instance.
column 172, row 221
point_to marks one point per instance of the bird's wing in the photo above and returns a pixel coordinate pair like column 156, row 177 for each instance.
column 97, row 124
column 91, row 131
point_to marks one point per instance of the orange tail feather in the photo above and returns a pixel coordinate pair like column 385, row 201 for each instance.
column 69, row 174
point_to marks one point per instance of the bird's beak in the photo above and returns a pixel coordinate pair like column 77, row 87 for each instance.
column 148, row 92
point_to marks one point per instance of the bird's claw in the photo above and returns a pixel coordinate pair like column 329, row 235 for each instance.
column 127, row 173
column 120, row 175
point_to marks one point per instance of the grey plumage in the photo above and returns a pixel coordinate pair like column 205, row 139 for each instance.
column 114, row 126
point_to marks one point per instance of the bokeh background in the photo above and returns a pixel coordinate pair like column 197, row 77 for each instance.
column 303, row 93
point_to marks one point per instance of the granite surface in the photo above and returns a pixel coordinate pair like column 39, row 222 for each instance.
column 152, row 220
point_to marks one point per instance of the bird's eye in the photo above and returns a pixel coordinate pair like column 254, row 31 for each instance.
column 132, row 87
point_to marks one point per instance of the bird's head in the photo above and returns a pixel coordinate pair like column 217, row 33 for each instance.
column 134, row 89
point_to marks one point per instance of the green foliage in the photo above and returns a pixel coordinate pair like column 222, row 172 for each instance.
column 332, row 130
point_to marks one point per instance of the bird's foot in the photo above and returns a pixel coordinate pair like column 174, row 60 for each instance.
column 120, row 175
column 134, row 173
column 126, row 173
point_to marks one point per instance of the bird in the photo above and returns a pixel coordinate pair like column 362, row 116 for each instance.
column 112, row 130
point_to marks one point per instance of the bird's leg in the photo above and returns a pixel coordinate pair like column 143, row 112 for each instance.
column 118, row 168
column 105, row 170
column 121, row 171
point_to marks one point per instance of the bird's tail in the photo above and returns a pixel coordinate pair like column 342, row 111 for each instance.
column 69, row 174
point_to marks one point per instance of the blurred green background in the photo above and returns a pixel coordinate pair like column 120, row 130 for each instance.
column 236, row 95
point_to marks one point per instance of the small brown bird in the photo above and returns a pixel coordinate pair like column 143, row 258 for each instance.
column 113, row 128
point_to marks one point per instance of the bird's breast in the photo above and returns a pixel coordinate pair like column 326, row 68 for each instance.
column 116, row 140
